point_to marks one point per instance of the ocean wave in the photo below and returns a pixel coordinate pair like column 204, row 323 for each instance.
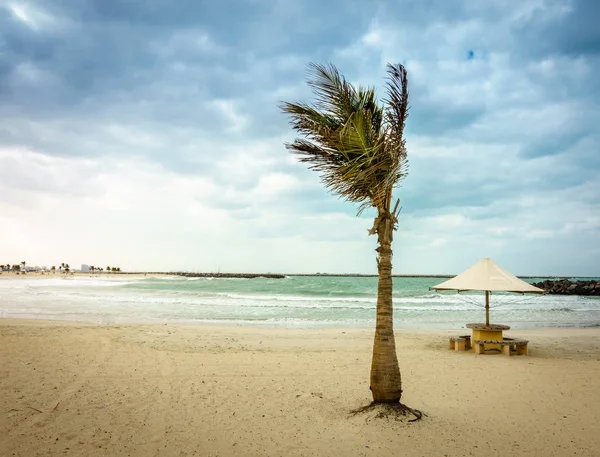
column 299, row 301
column 71, row 282
column 161, row 278
column 229, row 300
column 291, row 298
column 353, row 299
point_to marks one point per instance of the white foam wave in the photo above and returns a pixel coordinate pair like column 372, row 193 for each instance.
column 65, row 282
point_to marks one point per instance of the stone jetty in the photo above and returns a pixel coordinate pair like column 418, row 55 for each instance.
column 231, row 275
column 566, row 287
column 206, row 275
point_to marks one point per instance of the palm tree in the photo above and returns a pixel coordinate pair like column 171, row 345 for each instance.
column 53, row 269
column 108, row 269
column 358, row 147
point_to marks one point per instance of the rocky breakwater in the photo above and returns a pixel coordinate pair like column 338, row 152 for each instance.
column 566, row 287
column 231, row 275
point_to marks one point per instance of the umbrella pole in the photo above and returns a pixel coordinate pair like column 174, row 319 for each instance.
column 487, row 308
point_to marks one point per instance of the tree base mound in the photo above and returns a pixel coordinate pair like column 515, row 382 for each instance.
column 396, row 411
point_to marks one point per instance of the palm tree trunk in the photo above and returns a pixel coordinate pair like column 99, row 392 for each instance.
column 386, row 383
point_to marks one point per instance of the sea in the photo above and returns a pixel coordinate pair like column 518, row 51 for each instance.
column 292, row 302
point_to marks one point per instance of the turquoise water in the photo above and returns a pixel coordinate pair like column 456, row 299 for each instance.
column 297, row 301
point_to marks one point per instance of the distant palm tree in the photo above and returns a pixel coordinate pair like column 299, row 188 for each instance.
column 108, row 269
column 53, row 269
column 67, row 268
column 359, row 149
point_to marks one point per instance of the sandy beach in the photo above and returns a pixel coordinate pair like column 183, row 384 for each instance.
column 77, row 274
column 141, row 390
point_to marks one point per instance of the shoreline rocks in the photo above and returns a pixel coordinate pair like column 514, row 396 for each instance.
column 206, row 275
column 566, row 287
column 231, row 275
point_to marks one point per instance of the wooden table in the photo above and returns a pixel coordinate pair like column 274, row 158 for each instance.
column 488, row 332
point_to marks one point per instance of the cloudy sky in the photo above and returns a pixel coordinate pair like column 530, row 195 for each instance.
column 147, row 134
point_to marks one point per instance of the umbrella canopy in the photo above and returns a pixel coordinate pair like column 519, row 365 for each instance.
column 487, row 276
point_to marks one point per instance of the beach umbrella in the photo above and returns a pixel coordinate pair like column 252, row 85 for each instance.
column 487, row 276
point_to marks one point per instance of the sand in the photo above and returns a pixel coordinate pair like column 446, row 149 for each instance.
column 150, row 390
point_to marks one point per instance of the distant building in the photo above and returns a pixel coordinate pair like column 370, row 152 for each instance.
column 85, row 268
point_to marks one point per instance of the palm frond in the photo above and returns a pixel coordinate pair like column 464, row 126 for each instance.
column 355, row 144
column 333, row 93
column 396, row 113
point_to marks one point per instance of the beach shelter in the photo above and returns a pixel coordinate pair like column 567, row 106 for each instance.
column 487, row 276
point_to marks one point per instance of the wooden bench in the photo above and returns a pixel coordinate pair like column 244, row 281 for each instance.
column 460, row 343
column 509, row 346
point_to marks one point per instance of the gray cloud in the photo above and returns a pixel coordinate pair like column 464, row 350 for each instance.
column 573, row 31
column 193, row 86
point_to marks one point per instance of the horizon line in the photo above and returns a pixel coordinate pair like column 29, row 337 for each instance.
column 374, row 275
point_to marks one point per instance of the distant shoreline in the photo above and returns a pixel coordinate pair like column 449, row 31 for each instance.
column 257, row 275
column 351, row 275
